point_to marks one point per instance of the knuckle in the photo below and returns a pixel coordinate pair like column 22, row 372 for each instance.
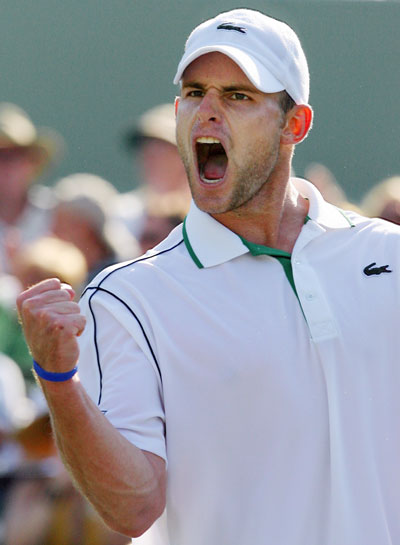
column 57, row 323
column 50, row 283
column 43, row 317
column 25, row 306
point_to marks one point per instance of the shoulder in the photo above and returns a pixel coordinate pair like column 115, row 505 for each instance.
column 373, row 227
column 132, row 291
column 373, row 240
column 170, row 254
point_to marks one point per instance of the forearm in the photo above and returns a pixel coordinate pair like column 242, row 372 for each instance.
column 125, row 484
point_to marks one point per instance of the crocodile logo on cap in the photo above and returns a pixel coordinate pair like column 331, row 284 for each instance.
column 231, row 26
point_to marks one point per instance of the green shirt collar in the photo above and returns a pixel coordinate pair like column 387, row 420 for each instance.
column 210, row 243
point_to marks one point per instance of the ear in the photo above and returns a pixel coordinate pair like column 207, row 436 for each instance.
column 298, row 123
column 177, row 100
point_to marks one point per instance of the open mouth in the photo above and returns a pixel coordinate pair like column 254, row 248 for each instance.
column 211, row 159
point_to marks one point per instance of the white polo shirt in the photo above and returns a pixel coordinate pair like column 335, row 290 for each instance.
column 276, row 405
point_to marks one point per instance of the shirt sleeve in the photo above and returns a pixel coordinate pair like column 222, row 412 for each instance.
column 117, row 367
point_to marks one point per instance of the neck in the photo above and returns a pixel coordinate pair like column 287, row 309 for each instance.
column 274, row 217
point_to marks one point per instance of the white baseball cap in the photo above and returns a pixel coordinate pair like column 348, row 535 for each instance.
column 267, row 50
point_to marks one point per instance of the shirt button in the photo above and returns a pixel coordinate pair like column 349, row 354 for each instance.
column 310, row 296
column 297, row 262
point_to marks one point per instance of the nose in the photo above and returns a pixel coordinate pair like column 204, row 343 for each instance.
column 209, row 108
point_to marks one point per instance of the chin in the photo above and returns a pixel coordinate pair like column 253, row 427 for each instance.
column 211, row 204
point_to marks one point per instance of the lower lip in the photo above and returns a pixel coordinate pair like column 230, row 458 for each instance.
column 215, row 184
column 211, row 182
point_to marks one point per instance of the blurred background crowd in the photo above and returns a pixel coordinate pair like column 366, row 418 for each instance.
column 72, row 229
column 75, row 225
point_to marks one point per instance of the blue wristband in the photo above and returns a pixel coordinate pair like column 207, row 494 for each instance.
column 53, row 377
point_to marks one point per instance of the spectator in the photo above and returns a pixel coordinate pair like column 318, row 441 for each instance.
column 324, row 180
column 81, row 216
column 47, row 257
column 153, row 136
column 25, row 152
column 151, row 139
column 163, row 212
column 16, row 411
column 43, row 258
column 383, row 200
column 35, row 487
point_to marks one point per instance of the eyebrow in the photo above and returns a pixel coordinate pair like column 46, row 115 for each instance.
column 225, row 89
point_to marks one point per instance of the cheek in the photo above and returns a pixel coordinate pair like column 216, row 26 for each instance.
column 255, row 137
column 183, row 133
column 185, row 114
column 180, row 126
column 266, row 131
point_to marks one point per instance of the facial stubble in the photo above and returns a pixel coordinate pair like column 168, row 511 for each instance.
column 249, row 178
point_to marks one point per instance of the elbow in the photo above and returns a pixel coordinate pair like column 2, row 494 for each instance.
column 134, row 508
column 144, row 520
column 137, row 520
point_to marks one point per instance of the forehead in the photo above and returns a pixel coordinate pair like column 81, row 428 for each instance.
column 215, row 66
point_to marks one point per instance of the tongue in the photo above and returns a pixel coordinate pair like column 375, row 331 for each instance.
column 215, row 166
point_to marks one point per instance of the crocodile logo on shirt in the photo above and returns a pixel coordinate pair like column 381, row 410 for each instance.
column 370, row 269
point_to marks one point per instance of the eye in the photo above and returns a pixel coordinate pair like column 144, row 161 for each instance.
column 239, row 96
column 195, row 93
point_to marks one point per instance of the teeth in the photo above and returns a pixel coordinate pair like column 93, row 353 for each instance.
column 207, row 181
column 208, row 140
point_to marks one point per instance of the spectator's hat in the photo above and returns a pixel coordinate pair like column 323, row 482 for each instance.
column 158, row 122
column 18, row 131
column 92, row 198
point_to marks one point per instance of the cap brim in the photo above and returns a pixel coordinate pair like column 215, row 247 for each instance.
column 259, row 76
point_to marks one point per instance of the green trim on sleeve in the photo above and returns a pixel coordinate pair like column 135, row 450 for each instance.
column 189, row 247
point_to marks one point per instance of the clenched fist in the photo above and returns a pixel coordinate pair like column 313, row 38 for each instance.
column 51, row 321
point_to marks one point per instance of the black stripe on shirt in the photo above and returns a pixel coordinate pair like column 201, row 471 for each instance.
column 99, row 288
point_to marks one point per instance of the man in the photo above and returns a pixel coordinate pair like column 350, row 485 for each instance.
column 152, row 141
column 153, row 138
column 82, row 216
column 256, row 349
column 25, row 152
column 383, row 200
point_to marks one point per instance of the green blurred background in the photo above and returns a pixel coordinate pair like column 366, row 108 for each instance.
column 89, row 68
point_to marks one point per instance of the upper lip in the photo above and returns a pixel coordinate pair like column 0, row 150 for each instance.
column 207, row 134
